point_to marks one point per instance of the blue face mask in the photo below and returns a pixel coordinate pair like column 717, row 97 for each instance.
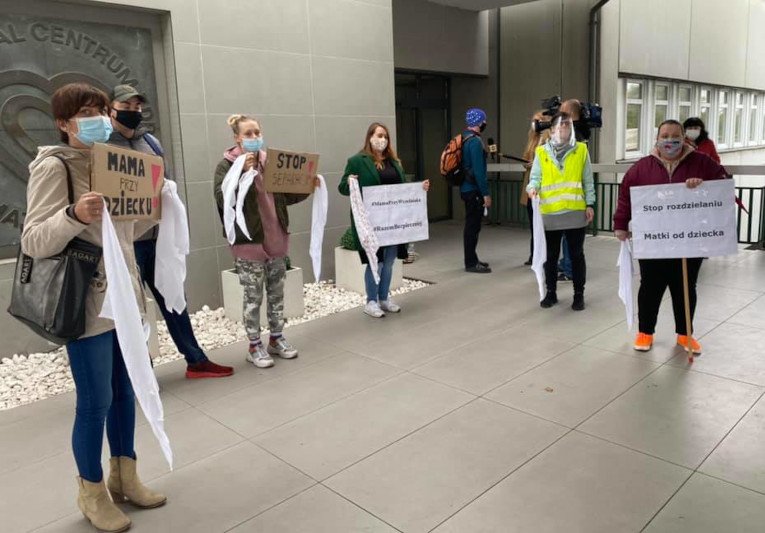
column 94, row 130
column 252, row 145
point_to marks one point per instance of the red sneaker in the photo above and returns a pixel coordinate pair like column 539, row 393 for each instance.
column 208, row 369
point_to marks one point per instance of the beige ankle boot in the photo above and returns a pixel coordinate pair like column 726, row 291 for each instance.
column 125, row 486
column 95, row 504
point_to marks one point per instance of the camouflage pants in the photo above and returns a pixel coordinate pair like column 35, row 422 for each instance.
column 254, row 277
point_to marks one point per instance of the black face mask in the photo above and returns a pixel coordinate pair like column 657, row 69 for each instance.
column 130, row 119
column 483, row 127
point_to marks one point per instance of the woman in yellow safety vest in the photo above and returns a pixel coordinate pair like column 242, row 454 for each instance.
column 562, row 178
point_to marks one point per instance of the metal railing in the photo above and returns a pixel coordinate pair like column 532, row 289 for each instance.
column 505, row 182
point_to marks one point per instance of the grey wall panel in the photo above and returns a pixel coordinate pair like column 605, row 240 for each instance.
column 719, row 38
column 755, row 57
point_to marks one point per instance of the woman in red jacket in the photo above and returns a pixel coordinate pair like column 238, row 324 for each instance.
column 671, row 161
column 697, row 136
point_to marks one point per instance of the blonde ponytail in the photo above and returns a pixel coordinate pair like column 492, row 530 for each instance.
column 236, row 119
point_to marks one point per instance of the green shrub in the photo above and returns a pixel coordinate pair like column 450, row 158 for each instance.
column 347, row 242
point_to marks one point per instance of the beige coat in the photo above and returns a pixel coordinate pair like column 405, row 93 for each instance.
column 48, row 229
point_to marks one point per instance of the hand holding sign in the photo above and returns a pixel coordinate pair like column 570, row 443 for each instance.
column 692, row 183
column 88, row 208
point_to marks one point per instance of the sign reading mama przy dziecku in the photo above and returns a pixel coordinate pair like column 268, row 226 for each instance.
column 130, row 181
column 397, row 213
column 673, row 221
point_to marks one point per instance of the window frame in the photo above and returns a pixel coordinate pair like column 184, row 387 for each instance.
column 644, row 84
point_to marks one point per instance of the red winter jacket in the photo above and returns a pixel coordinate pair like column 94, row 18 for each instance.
column 651, row 171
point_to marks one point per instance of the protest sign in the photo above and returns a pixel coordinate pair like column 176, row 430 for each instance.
column 398, row 213
column 290, row 172
column 130, row 181
column 673, row 221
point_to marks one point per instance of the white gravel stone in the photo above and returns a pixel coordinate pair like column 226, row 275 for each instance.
column 29, row 378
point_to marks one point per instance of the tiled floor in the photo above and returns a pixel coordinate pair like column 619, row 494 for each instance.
column 472, row 411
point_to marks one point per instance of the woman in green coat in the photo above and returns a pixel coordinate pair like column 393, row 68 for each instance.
column 376, row 164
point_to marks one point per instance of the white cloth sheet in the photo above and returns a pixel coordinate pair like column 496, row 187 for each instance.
column 233, row 201
column 318, row 222
column 540, row 248
column 172, row 249
column 625, row 281
column 364, row 229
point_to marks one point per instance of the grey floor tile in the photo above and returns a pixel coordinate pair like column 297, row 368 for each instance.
column 739, row 459
column 730, row 351
column 674, row 414
column 752, row 315
column 492, row 360
column 573, row 385
column 716, row 302
column 324, row 442
column 317, row 510
column 579, row 485
column 707, row 505
column 257, row 409
column 419, row 481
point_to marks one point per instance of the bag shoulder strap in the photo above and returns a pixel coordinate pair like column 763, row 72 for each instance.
column 153, row 143
column 69, row 185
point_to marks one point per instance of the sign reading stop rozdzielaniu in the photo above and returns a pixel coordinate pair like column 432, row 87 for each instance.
column 290, row 172
column 130, row 181
column 672, row 221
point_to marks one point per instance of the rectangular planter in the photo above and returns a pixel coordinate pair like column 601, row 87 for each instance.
column 349, row 271
column 233, row 296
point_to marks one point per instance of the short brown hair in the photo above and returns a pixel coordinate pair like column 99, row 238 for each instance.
column 69, row 99
column 670, row 122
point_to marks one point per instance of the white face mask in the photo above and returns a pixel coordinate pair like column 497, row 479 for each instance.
column 693, row 134
column 379, row 143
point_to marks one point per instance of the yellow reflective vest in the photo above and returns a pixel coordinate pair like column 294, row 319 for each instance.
column 562, row 190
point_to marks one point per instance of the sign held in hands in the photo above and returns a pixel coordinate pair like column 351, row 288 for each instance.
column 397, row 213
column 130, row 181
column 290, row 172
column 672, row 221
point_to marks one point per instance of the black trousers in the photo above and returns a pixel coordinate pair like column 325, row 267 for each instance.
column 655, row 276
column 473, row 217
column 575, row 239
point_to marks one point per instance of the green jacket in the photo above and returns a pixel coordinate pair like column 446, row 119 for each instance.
column 363, row 166
column 251, row 212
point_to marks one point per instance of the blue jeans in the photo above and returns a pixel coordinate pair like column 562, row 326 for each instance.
column 565, row 265
column 380, row 292
column 178, row 325
column 104, row 394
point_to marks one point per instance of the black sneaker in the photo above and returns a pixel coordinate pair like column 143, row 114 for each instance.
column 578, row 304
column 484, row 263
column 550, row 299
column 563, row 277
column 479, row 268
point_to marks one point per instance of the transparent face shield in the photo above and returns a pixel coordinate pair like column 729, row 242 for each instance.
column 562, row 133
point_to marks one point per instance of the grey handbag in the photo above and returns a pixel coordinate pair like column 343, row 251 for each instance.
column 49, row 294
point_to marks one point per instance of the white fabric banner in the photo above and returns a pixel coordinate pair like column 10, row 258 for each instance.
column 172, row 249
column 397, row 213
column 540, row 248
column 318, row 222
column 625, row 281
column 120, row 305
column 673, row 221
column 367, row 236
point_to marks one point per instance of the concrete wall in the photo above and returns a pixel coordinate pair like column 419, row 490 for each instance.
column 436, row 38
column 315, row 72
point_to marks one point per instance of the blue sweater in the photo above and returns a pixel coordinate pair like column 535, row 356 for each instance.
column 474, row 164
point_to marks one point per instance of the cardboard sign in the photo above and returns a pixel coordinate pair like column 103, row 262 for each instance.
column 398, row 213
column 130, row 181
column 672, row 221
column 290, row 172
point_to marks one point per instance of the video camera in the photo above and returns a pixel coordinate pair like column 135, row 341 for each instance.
column 591, row 116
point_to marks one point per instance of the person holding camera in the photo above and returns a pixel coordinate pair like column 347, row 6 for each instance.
column 562, row 178
column 475, row 188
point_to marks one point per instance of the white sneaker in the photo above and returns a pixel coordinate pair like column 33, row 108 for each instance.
column 259, row 357
column 283, row 349
column 373, row 310
column 389, row 307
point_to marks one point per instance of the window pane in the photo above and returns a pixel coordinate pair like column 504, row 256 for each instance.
column 685, row 112
column 753, row 125
column 721, row 125
column 662, row 92
column 739, row 126
column 660, row 115
column 739, row 99
column 632, row 137
column 723, row 97
column 634, row 90
column 685, row 94
column 705, row 116
column 706, row 96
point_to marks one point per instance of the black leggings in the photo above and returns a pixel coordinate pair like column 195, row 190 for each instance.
column 575, row 240
column 655, row 276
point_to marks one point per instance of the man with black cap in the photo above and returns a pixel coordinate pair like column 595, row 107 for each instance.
column 126, row 115
column 475, row 187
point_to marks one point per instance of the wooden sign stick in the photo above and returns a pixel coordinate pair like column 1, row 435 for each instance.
column 687, row 301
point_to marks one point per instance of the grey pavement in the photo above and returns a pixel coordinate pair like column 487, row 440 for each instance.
column 474, row 410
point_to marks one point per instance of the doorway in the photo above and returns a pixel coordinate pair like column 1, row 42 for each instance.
column 422, row 131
